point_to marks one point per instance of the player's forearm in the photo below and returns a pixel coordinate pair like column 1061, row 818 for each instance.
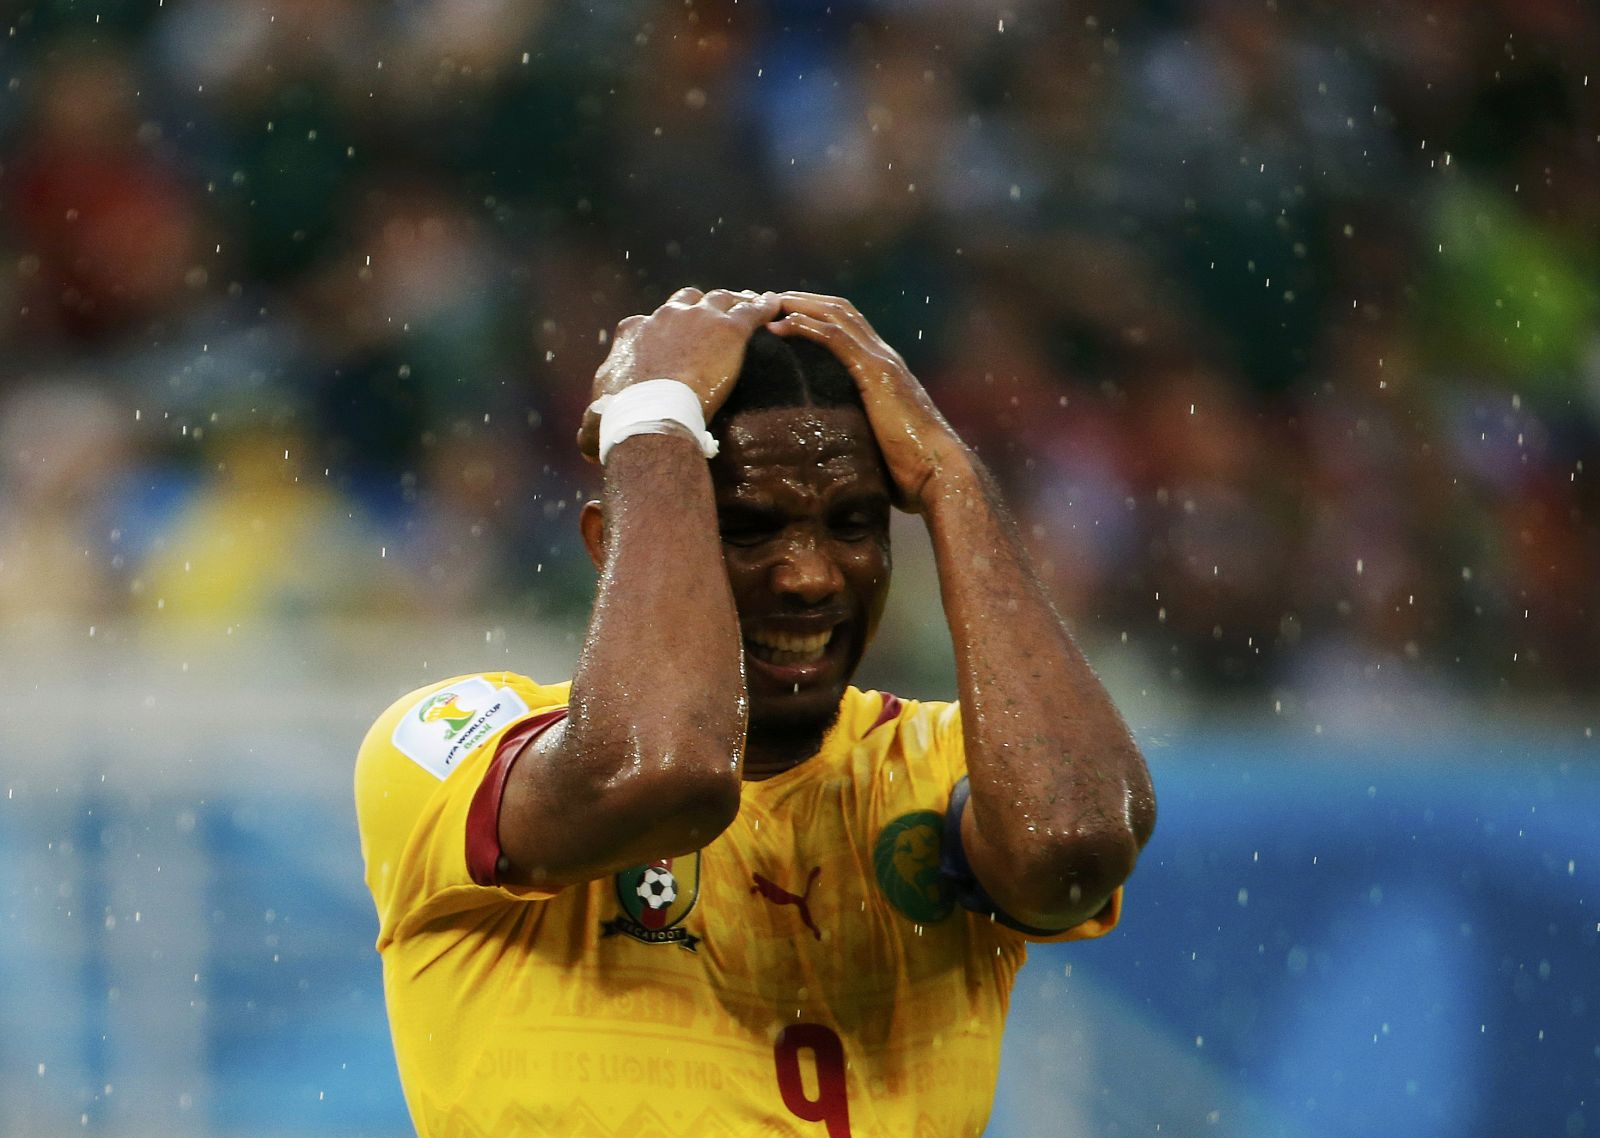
column 1061, row 799
column 659, row 689
column 647, row 762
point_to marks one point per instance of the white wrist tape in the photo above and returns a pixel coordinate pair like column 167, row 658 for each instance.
column 651, row 408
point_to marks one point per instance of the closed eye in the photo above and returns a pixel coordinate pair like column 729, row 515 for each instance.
column 745, row 527
column 860, row 521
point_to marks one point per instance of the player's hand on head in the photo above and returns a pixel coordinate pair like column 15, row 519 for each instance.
column 915, row 439
column 697, row 338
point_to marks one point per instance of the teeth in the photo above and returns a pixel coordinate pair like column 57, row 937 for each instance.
column 789, row 647
column 791, row 642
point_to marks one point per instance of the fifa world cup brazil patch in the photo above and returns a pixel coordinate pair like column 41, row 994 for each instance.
column 906, row 860
column 446, row 726
column 655, row 899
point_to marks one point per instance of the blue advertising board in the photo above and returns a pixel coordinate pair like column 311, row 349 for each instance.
column 1324, row 939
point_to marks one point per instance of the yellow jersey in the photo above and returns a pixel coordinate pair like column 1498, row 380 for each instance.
column 808, row 974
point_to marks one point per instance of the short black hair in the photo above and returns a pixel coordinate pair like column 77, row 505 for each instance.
column 787, row 371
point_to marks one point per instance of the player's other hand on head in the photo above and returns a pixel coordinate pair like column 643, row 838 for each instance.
column 697, row 338
column 916, row 441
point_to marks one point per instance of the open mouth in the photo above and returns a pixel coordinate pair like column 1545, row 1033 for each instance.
column 787, row 649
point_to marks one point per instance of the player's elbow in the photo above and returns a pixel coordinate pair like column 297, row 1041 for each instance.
column 701, row 806
column 698, row 769
column 1099, row 860
column 1092, row 856
column 661, row 758
column 1066, row 878
column 682, row 800
column 667, row 780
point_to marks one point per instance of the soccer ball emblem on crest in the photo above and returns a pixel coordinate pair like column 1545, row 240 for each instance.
column 655, row 899
column 657, row 888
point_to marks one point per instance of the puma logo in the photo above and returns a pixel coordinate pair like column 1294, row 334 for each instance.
column 778, row 895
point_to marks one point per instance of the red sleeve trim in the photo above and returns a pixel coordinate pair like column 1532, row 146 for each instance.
column 483, row 816
column 889, row 711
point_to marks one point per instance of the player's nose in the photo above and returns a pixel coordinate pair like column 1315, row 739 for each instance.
column 806, row 573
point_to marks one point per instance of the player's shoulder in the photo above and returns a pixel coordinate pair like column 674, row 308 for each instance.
column 920, row 724
column 909, row 751
column 437, row 725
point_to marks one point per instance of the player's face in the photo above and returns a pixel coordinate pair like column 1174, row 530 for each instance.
column 803, row 506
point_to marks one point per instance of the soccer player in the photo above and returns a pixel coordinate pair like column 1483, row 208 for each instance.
column 707, row 887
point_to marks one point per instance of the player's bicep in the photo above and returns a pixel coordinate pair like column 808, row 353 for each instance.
column 487, row 860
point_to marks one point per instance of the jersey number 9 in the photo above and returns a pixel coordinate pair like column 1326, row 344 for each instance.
column 827, row 1053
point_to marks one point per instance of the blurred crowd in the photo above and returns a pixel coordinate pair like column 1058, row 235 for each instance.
column 1279, row 321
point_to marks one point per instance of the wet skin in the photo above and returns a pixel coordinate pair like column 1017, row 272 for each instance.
column 803, row 510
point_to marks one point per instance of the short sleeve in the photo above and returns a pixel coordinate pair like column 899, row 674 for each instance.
column 430, row 763
column 1096, row 926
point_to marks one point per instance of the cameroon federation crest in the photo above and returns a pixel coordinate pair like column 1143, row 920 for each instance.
column 906, row 861
column 655, row 899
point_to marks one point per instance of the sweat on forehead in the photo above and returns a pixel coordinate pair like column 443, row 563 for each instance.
column 796, row 439
column 808, row 433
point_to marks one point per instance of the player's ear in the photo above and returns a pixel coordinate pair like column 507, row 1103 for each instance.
column 592, row 524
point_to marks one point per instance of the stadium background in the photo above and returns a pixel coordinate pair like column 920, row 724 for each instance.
column 1278, row 320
